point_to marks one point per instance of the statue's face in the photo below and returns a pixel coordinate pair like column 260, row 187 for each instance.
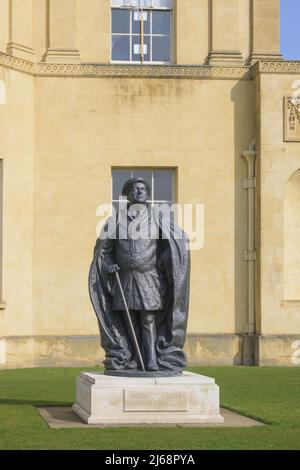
column 138, row 194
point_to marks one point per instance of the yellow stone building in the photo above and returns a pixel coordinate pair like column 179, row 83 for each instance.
column 195, row 94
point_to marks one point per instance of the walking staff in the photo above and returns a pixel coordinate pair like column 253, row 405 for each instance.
column 136, row 346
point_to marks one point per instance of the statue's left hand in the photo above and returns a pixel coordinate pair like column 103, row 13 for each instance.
column 113, row 268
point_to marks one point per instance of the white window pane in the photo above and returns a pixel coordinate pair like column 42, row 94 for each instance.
column 162, row 4
column 161, row 49
column 136, row 53
column 161, row 22
column 136, row 22
column 120, row 47
column 120, row 21
column 163, row 182
column 143, row 3
column 163, row 185
column 136, row 48
column 138, row 15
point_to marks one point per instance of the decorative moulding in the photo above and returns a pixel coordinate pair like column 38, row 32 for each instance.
column 63, row 56
column 115, row 70
column 19, row 50
column 149, row 71
column 16, row 63
column 226, row 58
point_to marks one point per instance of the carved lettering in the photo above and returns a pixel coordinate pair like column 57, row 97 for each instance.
column 142, row 400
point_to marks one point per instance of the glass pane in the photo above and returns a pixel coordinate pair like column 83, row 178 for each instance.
column 120, row 21
column 143, row 3
column 120, row 48
column 136, row 22
column 119, row 177
column 161, row 22
column 163, row 185
column 162, row 4
column 161, row 49
column 137, row 48
column 146, row 175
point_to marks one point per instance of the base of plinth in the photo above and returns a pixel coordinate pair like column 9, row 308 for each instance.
column 185, row 399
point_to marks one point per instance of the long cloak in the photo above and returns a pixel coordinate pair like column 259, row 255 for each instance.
column 172, row 323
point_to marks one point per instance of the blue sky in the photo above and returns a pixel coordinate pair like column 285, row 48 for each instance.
column 290, row 29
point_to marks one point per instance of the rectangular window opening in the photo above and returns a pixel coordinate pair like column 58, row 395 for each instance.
column 141, row 31
column 161, row 181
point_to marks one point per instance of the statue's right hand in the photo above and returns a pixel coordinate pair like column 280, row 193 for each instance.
column 113, row 268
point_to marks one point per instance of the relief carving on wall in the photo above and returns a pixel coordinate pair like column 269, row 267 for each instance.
column 291, row 119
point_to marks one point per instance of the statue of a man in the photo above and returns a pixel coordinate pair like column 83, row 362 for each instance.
column 151, row 256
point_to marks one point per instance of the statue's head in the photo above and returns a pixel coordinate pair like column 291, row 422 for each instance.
column 137, row 190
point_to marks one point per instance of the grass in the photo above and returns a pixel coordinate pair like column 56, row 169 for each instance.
column 269, row 394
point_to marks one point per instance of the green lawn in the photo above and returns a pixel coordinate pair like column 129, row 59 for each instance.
column 269, row 394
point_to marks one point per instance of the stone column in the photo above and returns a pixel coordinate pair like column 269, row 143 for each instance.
column 250, row 253
column 224, row 47
column 39, row 20
column 93, row 34
column 265, row 30
column 62, row 32
column 191, row 32
column 4, row 24
column 20, row 29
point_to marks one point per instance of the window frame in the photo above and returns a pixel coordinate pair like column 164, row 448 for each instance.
column 151, row 199
column 130, row 35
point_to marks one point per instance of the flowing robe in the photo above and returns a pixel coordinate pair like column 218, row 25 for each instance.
column 173, row 259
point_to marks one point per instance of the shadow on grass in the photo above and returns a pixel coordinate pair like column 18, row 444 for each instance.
column 36, row 403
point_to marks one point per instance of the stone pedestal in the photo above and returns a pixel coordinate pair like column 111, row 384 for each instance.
column 108, row 400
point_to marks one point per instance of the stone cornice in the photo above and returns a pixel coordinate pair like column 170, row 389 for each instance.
column 276, row 67
column 16, row 64
column 279, row 66
column 43, row 69
column 115, row 70
column 151, row 71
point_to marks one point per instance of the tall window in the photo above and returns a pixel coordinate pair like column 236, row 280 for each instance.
column 161, row 182
column 141, row 31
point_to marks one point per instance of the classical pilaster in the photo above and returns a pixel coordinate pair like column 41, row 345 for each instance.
column 225, row 47
column 4, row 24
column 265, row 30
column 20, row 42
column 62, row 32
column 40, row 28
column 191, row 32
column 250, row 252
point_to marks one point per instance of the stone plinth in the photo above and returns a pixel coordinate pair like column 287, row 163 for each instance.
column 186, row 399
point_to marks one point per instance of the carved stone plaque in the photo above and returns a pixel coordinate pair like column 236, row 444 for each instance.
column 291, row 119
column 160, row 400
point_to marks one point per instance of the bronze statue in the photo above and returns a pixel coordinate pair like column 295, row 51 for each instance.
column 139, row 287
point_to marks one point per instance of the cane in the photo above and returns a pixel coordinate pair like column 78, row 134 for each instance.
column 136, row 346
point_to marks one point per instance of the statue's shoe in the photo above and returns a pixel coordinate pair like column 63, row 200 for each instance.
column 132, row 365
column 152, row 366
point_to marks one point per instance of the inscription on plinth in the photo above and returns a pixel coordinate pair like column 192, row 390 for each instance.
column 291, row 119
column 143, row 400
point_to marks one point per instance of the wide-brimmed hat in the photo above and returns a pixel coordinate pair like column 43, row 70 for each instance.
column 128, row 185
